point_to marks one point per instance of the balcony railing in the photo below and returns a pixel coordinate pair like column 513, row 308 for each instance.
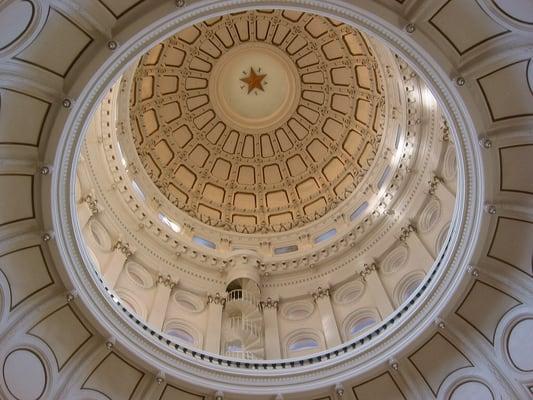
column 240, row 295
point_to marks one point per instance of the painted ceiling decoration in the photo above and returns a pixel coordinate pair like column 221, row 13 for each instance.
column 258, row 121
column 413, row 281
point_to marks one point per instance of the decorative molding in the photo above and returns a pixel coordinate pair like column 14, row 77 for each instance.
column 124, row 248
column 216, row 299
column 445, row 131
column 433, row 183
column 367, row 270
column 320, row 293
column 269, row 303
column 166, row 281
column 92, row 202
column 406, row 231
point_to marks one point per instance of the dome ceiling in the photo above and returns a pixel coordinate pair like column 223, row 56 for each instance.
column 258, row 121
column 57, row 327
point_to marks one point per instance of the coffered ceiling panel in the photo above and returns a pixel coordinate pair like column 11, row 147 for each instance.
column 507, row 92
column 114, row 377
column 516, row 165
column 454, row 21
column 17, row 203
column 58, row 46
column 380, row 387
column 27, row 114
column 511, row 243
column 481, row 297
column 258, row 121
column 26, row 272
column 64, row 343
column 119, row 7
column 171, row 392
column 437, row 359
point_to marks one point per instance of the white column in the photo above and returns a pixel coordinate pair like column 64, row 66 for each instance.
column 375, row 287
column 114, row 266
column 329, row 323
column 215, row 305
column 158, row 312
column 270, row 319
column 447, row 199
column 421, row 256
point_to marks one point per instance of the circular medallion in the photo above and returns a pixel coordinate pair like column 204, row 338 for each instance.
column 254, row 87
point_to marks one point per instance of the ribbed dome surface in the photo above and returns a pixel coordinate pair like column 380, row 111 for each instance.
column 265, row 155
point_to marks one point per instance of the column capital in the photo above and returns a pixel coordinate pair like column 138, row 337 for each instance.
column 166, row 281
column 216, row 299
column 124, row 248
column 92, row 202
column 367, row 270
column 406, row 231
column 433, row 183
column 320, row 293
column 269, row 303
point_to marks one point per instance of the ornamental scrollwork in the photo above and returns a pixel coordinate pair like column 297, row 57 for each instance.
column 124, row 248
column 367, row 270
column 269, row 303
column 433, row 183
column 320, row 293
column 166, row 281
column 406, row 231
column 216, row 299
column 92, row 202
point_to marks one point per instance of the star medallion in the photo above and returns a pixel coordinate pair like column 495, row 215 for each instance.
column 254, row 80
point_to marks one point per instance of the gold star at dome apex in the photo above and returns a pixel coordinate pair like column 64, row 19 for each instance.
column 254, row 80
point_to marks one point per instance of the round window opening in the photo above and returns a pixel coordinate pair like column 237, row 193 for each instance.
column 253, row 132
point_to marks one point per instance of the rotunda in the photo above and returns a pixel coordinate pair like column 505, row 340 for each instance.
column 290, row 200
column 264, row 159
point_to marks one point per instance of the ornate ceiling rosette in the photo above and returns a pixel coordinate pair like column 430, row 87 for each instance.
column 258, row 122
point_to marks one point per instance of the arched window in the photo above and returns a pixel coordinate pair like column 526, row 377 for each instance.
column 100, row 236
column 129, row 300
column 361, row 325
column 183, row 332
column 359, row 321
column 303, row 344
column 407, row 286
column 180, row 334
column 410, row 289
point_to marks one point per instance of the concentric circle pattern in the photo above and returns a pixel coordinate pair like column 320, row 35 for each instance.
column 102, row 276
column 258, row 122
